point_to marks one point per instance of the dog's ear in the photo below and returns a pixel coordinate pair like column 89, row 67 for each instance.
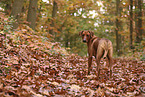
column 80, row 33
column 91, row 33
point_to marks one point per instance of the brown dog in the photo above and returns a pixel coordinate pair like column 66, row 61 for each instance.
column 97, row 47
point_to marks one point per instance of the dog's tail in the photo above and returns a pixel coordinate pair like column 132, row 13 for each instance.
column 105, row 54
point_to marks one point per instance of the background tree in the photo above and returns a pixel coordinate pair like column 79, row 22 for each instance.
column 131, row 23
column 54, row 12
column 61, row 20
column 139, row 17
column 31, row 17
column 117, row 27
column 136, row 19
column 16, row 10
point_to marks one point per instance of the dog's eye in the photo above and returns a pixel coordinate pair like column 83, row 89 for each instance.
column 83, row 35
column 87, row 35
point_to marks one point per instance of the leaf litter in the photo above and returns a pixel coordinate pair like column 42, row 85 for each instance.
column 36, row 68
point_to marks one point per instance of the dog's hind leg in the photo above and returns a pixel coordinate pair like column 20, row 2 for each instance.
column 98, row 58
column 110, row 52
column 98, row 66
column 89, row 64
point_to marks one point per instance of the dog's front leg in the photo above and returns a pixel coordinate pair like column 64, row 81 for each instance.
column 89, row 64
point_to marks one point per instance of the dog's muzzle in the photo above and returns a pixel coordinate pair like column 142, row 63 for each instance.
column 84, row 41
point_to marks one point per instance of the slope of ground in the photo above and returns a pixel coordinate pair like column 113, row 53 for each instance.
column 30, row 66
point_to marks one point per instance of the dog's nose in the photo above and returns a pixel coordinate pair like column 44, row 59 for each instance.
column 104, row 57
column 84, row 40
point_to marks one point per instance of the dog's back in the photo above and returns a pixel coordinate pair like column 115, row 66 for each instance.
column 105, row 44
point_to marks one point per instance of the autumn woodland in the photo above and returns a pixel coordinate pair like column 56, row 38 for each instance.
column 42, row 54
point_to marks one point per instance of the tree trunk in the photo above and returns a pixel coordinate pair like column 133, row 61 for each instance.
column 136, row 20
column 117, row 28
column 131, row 25
column 16, row 10
column 31, row 17
column 139, row 34
column 54, row 12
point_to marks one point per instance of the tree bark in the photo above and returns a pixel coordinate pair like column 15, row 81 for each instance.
column 131, row 24
column 31, row 17
column 67, row 38
column 54, row 12
column 16, row 10
column 117, row 28
column 139, row 34
column 136, row 20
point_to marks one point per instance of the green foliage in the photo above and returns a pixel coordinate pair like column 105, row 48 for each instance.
column 75, row 15
column 7, row 23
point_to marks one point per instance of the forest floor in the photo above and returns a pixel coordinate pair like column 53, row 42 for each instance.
column 26, row 73
column 30, row 66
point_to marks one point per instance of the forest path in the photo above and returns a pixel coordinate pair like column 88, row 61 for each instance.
column 38, row 74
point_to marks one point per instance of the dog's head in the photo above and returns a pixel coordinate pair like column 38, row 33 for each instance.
column 86, row 35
